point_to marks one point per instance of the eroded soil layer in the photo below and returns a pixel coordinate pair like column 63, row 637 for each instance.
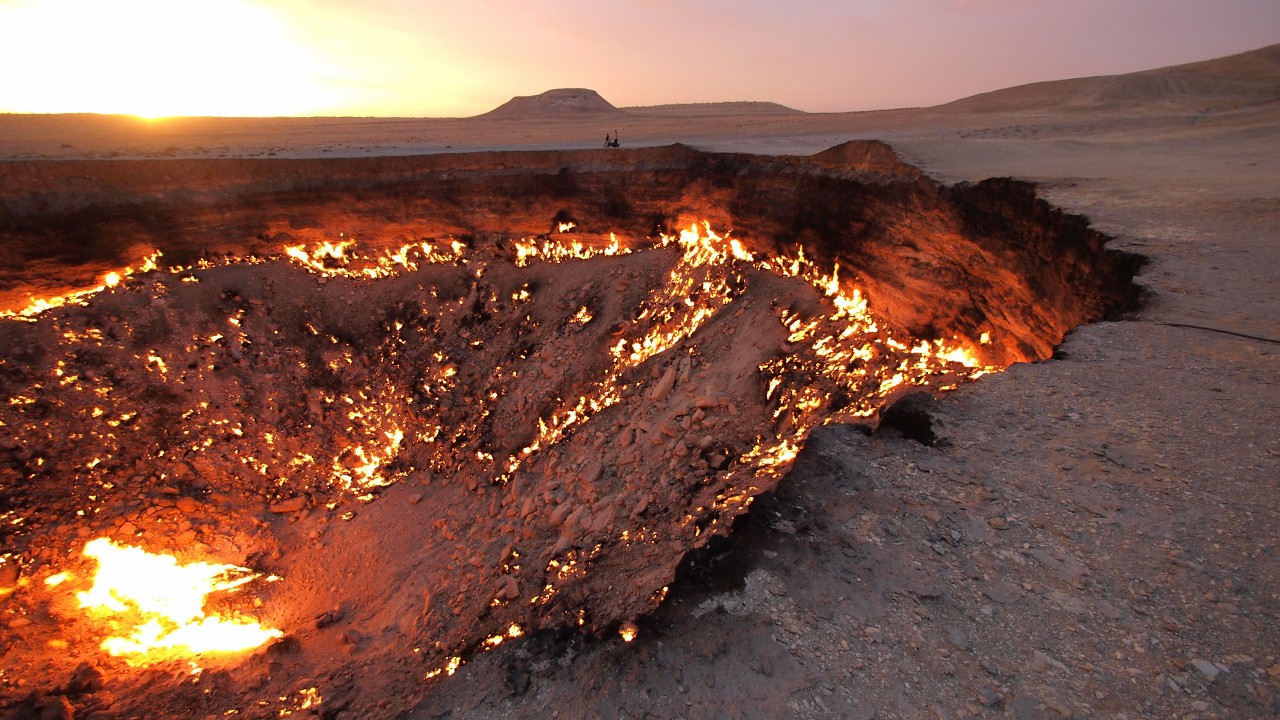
column 458, row 409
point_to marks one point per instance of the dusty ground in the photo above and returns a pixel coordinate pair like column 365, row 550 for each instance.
column 1091, row 536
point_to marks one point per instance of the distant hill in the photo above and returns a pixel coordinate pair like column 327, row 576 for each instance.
column 713, row 109
column 554, row 103
column 1244, row 79
column 581, row 102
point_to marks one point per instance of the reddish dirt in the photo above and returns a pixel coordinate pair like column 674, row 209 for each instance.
column 430, row 459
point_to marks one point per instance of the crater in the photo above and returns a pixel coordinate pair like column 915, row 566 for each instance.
column 450, row 400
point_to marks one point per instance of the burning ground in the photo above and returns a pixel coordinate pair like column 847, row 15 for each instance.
column 408, row 449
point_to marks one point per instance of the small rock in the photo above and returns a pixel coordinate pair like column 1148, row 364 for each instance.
column 1109, row 611
column 1206, row 668
column 329, row 617
column 872, row 634
column 57, row 708
column 86, row 678
column 188, row 504
column 988, row 696
column 559, row 514
column 1046, row 660
column 293, row 504
column 1004, row 593
column 510, row 588
column 98, row 705
column 10, row 572
column 518, row 679
column 415, row 498
column 664, row 385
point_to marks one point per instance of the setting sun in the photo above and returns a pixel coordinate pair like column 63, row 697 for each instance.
column 155, row 58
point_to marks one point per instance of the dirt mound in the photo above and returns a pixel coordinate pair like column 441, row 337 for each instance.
column 554, row 103
column 441, row 440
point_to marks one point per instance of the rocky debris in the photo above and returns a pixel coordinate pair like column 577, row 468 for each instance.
column 452, row 451
column 1043, row 618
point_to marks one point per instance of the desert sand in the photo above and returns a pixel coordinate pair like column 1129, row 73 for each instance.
column 1087, row 535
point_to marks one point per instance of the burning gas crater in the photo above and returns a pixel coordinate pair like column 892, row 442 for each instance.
column 396, row 458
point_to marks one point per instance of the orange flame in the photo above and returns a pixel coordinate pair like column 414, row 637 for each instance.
column 161, row 604
column 341, row 259
column 80, row 297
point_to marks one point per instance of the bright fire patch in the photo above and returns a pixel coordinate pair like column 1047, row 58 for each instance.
column 157, row 605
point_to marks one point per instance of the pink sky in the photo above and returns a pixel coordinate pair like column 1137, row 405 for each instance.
column 463, row 57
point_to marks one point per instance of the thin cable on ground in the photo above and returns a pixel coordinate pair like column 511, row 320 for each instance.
column 1218, row 330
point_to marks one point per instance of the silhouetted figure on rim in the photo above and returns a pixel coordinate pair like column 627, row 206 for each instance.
column 611, row 143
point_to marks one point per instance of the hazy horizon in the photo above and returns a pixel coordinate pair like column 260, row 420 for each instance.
column 455, row 59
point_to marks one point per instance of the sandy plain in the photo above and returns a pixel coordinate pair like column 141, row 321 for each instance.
column 1094, row 536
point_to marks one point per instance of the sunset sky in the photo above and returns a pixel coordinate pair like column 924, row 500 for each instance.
column 448, row 58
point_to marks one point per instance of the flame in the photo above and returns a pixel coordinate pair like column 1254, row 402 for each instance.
column 341, row 259
column 160, row 604
column 57, row 579
column 582, row 317
column 706, row 270
column 555, row 251
column 80, row 297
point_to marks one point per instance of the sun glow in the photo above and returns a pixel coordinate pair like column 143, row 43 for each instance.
column 155, row 58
